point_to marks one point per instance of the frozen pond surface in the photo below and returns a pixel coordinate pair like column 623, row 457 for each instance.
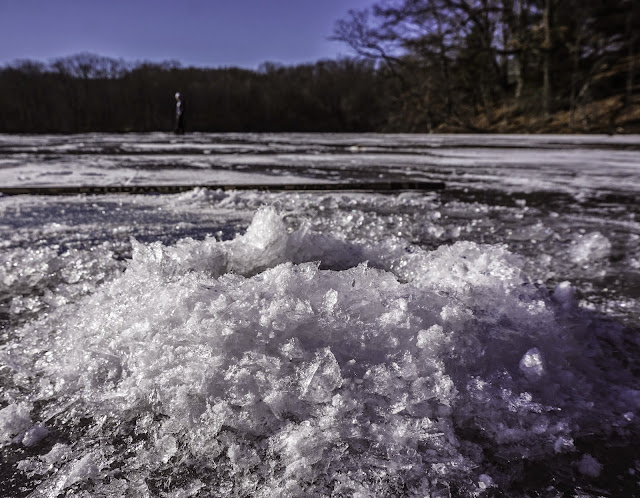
column 477, row 341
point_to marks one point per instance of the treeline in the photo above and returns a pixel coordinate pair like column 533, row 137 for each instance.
column 87, row 92
column 500, row 64
column 422, row 65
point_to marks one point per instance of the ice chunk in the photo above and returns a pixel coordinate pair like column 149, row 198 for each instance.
column 321, row 377
column 87, row 467
column 589, row 466
column 263, row 245
column 590, row 247
column 563, row 444
column 34, row 435
column 14, row 420
column 330, row 300
column 432, row 337
column 532, row 364
column 485, row 481
column 199, row 195
column 58, row 453
column 564, row 295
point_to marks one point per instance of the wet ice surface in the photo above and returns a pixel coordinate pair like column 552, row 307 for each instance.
column 570, row 164
column 472, row 342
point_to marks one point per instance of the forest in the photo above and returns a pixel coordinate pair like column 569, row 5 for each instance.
column 419, row 66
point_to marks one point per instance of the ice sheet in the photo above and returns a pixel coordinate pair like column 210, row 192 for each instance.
column 520, row 163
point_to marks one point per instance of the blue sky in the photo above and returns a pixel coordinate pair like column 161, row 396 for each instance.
column 203, row 33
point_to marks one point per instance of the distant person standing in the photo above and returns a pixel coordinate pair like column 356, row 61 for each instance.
column 179, row 129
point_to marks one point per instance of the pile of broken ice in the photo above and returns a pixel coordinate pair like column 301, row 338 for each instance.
column 296, row 363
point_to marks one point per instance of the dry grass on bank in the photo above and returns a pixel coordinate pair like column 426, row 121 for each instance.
column 609, row 115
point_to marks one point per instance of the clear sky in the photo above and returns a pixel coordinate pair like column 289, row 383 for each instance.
column 206, row 33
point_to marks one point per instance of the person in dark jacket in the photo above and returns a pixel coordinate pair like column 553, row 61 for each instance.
column 179, row 129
